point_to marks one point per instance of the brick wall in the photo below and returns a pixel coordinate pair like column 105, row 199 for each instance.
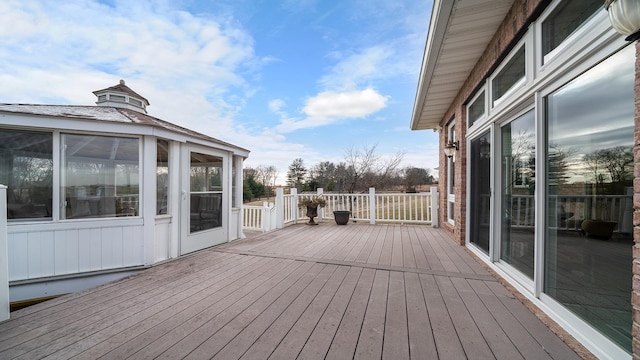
column 516, row 20
column 635, row 296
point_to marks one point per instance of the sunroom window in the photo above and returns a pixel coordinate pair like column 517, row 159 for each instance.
column 162, row 176
column 117, row 98
column 100, row 176
column 510, row 75
column 564, row 20
column 26, row 168
column 476, row 109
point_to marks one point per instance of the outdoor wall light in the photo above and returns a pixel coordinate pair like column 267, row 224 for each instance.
column 625, row 17
column 450, row 148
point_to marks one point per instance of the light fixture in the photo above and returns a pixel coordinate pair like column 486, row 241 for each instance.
column 450, row 148
column 625, row 17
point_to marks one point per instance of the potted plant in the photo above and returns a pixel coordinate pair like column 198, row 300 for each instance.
column 312, row 204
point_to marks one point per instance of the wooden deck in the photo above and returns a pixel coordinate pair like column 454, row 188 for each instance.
column 308, row 292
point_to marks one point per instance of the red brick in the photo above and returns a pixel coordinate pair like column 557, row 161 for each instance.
column 636, row 267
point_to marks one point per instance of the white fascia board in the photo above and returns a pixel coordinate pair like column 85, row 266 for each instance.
column 440, row 17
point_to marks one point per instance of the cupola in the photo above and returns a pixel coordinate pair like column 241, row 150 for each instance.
column 121, row 96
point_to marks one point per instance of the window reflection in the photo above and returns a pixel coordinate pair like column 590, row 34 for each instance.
column 512, row 73
column 26, row 167
column 476, row 109
column 564, row 20
column 518, row 185
column 589, row 203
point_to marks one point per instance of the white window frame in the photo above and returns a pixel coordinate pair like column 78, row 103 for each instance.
column 518, row 85
column 594, row 27
column 479, row 121
column 591, row 43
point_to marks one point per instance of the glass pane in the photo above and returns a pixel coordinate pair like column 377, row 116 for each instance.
column 206, row 192
column 480, row 204
column 162, row 176
column 234, row 201
column 100, row 176
column 26, row 167
column 510, row 75
column 476, row 109
column 589, row 195
column 564, row 20
column 518, row 205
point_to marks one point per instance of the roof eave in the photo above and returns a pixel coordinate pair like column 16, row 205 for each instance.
column 440, row 15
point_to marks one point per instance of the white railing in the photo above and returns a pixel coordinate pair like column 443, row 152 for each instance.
column 259, row 218
column 415, row 208
column 571, row 210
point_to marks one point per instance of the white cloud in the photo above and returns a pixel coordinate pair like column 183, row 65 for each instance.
column 357, row 68
column 354, row 104
column 275, row 105
column 329, row 107
column 173, row 58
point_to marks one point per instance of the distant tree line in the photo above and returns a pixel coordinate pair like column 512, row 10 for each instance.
column 259, row 182
column 359, row 170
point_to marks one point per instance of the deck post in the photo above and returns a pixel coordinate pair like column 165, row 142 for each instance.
column 294, row 204
column 279, row 208
column 434, row 206
column 319, row 192
column 266, row 219
column 372, row 205
column 4, row 258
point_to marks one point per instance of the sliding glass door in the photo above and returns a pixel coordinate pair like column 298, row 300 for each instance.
column 518, row 209
column 480, row 186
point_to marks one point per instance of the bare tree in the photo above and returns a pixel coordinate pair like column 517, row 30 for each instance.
column 364, row 162
column 249, row 173
column 386, row 169
column 267, row 175
column 359, row 162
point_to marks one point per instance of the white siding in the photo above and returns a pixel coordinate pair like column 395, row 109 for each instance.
column 51, row 252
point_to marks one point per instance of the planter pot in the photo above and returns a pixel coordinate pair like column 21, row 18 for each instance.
column 599, row 228
column 341, row 217
column 312, row 211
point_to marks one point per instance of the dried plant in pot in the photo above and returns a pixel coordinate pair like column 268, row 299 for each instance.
column 312, row 204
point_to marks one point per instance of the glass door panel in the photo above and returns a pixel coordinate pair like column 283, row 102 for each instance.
column 480, row 200
column 589, row 196
column 205, row 192
column 518, row 186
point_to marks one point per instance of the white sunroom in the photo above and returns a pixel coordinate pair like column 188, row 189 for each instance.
column 95, row 193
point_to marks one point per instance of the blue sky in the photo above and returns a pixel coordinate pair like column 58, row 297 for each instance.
column 285, row 79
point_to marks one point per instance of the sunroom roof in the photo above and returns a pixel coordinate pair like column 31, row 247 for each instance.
column 107, row 113
column 459, row 32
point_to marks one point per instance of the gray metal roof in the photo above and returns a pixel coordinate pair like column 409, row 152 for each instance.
column 109, row 114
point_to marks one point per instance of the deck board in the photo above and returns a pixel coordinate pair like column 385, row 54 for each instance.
column 308, row 292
